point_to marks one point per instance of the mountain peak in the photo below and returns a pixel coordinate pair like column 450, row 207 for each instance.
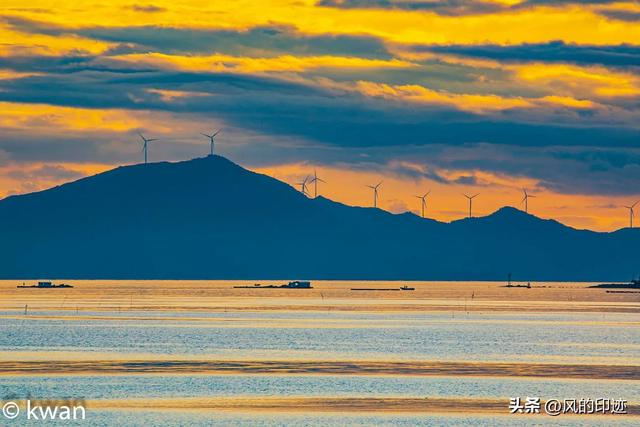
column 512, row 213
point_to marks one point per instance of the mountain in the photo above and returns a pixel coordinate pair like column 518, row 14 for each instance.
column 209, row 218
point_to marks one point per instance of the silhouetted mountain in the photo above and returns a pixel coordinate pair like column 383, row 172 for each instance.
column 210, row 218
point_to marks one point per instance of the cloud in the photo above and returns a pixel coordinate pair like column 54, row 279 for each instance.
column 455, row 7
column 561, row 169
column 49, row 172
column 262, row 41
column 557, row 51
column 147, row 8
column 446, row 7
column 621, row 15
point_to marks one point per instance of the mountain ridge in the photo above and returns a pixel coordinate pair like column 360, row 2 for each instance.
column 210, row 218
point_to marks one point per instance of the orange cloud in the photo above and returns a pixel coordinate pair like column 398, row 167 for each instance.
column 573, row 79
column 252, row 65
column 420, row 94
column 32, row 116
column 477, row 103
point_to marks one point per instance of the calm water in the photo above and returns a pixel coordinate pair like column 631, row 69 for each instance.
column 555, row 337
column 615, row 338
column 122, row 387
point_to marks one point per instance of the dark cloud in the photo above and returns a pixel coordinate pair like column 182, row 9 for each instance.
column 65, row 64
column 557, row 51
column 446, row 7
column 531, row 3
column 258, row 41
column 147, row 8
column 568, row 170
column 466, row 180
column 56, row 146
column 453, row 7
column 621, row 15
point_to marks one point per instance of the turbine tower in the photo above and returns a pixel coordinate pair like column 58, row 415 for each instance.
column 423, row 201
column 631, row 213
column 315, row 181
column 525, row 199
column 145, row 143
column 375, row 193
column 303, row 186
column 211, row 139
column 470, row 201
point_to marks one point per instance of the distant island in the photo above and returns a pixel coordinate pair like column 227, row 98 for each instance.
column 209, row 218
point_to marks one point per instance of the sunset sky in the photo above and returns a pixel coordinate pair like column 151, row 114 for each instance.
column 454, row 96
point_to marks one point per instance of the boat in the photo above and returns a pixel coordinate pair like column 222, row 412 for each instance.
column 407, row 288
column 45, row 285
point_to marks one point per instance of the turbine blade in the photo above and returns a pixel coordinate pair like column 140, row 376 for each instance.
column 220, row 130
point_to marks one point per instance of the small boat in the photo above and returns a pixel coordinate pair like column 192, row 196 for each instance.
column 407, row 288
column 45, row 285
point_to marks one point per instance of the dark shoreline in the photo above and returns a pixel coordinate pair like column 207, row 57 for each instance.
column 617, row 286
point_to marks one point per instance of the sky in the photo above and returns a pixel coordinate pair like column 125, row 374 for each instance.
column 480, row 97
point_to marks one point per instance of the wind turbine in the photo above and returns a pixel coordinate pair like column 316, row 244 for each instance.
column 303, row 186
column 145, row 142
column 631, row 213
column 470, row 201
column 423, row 201
column 375, row 193
column 525, row 199
column 211, row 138
column 315, row 181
